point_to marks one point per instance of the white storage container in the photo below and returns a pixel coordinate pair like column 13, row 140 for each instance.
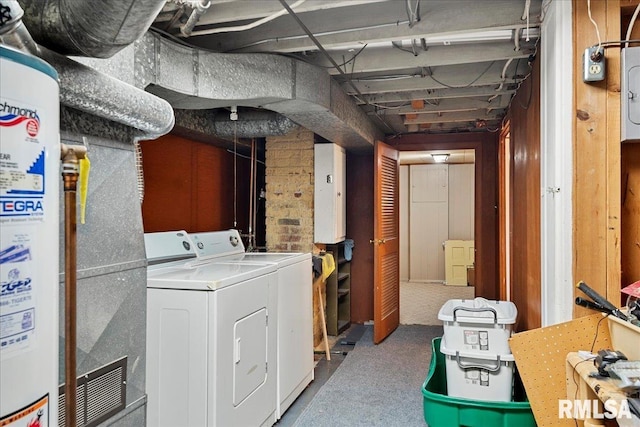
column 489, row 377
column 625, row 336
column 479, row 325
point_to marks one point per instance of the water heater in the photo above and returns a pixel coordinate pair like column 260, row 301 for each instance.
column 29, row 271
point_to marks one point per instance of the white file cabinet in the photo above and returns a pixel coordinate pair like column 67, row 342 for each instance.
column 330, row 191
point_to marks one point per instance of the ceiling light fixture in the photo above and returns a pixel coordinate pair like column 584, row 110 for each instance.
column 440, row 158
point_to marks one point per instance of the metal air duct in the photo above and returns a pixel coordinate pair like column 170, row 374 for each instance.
column 253, row 124
column 95, row 28
column 193, row 79
column 84, row 88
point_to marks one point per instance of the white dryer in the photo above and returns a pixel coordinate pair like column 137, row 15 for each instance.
column 294, row 304
column 211, row 344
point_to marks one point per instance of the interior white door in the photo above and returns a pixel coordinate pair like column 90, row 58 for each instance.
column 429, row 221
column 459, row 255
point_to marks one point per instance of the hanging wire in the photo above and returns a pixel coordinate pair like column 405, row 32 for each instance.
column 413, row 13
column 525, row 16
column 242, row 156
column 594, row 24
column 345, row 62
column 631, row 23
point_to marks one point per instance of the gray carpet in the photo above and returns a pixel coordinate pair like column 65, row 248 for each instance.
column 376, row 385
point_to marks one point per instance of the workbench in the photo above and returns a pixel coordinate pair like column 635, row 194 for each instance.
column 582, row 385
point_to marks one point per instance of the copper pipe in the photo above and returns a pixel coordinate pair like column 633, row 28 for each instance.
column 251, row 188
column 254, row 159
column 70, row 172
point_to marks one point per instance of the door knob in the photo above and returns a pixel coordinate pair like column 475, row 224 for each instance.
column 378, row 241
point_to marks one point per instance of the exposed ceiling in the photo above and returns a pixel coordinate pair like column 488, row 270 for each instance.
column 431, row 66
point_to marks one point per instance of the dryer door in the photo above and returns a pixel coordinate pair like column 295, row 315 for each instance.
column 249, row 355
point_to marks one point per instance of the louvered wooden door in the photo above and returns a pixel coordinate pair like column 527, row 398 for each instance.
column 386, row 295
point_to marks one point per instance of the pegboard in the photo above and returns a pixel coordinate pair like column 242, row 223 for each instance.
column 541, row 354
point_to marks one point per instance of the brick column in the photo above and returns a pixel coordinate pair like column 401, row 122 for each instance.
column 289, row 188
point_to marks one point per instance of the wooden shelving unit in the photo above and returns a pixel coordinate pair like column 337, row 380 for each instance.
column 338, row 292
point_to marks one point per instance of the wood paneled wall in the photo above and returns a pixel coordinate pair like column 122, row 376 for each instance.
column 360, row 229
column 597, row 161
column 524, row 115
column 190, row 186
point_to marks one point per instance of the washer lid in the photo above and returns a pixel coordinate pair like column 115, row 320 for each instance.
column 280, row 258
column 209, row 277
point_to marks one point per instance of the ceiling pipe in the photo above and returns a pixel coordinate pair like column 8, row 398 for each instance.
column 254, row 24
column 199, row 7
column 89, row 28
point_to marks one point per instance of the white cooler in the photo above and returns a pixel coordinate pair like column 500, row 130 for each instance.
column 478, row 326
column 487, row 377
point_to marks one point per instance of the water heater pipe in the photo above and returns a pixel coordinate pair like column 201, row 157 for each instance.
column 70, row 171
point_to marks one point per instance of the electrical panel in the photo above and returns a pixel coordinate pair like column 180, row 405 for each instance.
column 630, row 94
column 330, row 206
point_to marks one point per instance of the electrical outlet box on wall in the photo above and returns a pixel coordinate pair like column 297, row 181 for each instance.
column 593, row 64
column 630, row 94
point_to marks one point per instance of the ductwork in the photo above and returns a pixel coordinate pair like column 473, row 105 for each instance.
column 94, row 28
column 12, row 29
column 187, row 78
column 88, row 90
column 95, row 93
column 253, row 124
column 194, row 79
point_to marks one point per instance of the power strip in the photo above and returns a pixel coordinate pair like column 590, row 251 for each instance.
column 593, row 64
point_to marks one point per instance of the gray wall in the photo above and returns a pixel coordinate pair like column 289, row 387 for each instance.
column 111, row 286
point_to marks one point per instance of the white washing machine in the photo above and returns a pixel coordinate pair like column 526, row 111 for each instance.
column 211, row 344
column 295, row 307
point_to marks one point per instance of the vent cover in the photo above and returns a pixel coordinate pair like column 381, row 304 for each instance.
column 100, row 394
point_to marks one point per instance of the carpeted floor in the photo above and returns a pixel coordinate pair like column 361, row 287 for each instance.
column 376, row 385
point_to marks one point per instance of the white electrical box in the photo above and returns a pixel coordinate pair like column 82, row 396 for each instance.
column 330, row 167
column 630, row 94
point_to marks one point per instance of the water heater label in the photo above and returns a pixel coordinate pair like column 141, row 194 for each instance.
column 22, row 162
column 34, row 415
column 17, row 291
